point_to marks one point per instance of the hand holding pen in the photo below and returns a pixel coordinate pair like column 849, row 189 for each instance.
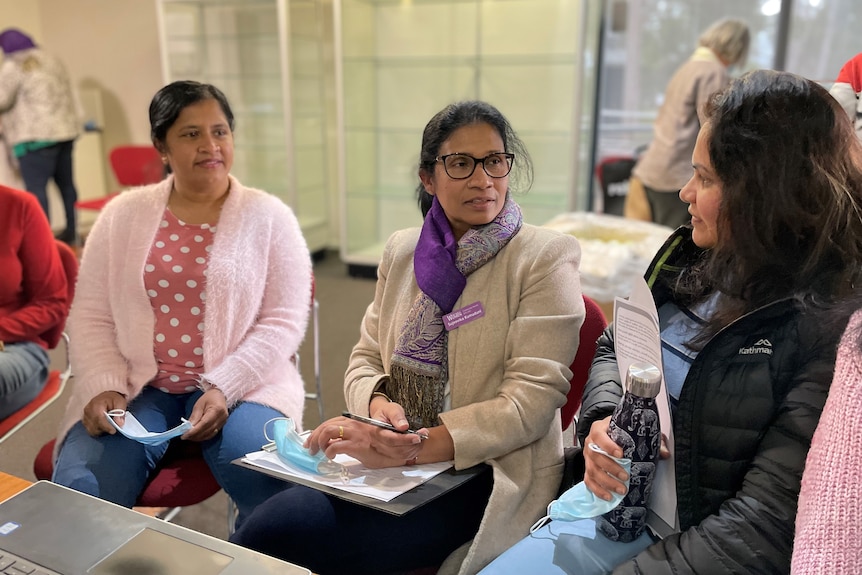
column 364, row 441
column 381, row 424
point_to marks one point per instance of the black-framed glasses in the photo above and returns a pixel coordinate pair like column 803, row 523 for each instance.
column 462, row 166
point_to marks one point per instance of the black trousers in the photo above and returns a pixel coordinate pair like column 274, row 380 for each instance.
column 332, row 536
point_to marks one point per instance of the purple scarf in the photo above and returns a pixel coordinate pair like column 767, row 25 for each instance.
column 419, row 368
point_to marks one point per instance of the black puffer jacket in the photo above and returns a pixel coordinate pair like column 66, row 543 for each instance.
column 742, row 429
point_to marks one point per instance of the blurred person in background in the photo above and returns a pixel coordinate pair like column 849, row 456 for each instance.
column 847, row 89
column 665, row 166
column 41, row 120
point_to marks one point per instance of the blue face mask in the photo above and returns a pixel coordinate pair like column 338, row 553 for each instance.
column 288, row 446
column 133, row 429
column 580, row 503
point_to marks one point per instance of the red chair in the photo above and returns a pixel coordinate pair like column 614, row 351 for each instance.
column 613, row 174
column 56, row 379
column 132, row 166
column 183, row 477
column 594, row 325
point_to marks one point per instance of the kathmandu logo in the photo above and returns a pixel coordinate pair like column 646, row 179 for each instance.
column 762, row 346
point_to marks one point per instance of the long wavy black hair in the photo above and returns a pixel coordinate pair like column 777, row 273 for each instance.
column 790, row 215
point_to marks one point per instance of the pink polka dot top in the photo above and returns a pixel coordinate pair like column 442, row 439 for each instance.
column 175, row 280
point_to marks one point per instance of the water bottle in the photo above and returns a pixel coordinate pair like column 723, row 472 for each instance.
column 634, row 426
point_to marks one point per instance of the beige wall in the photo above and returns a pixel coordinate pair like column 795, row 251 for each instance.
column 112, row 45
column 23, row 15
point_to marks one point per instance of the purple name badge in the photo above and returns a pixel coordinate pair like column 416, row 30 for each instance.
column 464, row 315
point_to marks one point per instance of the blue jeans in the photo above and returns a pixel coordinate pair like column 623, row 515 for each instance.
column 115, row 468
column 53, row 162
column 23, row 374
column 552, row 551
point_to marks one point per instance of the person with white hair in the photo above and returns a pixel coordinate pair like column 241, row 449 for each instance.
column 664, row 168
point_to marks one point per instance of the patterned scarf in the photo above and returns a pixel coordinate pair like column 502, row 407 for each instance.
column 419, row 368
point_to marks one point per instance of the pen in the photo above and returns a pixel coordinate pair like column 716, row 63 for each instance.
column 378, row 423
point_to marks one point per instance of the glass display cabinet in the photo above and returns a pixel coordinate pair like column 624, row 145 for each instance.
column 398, row 62
column 267, row 56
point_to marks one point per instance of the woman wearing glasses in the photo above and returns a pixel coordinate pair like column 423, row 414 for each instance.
column 486, row 390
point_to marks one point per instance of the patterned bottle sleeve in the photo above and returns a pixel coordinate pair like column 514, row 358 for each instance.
column 634, row 426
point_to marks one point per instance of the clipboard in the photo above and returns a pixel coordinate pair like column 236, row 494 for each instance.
column 401, row 505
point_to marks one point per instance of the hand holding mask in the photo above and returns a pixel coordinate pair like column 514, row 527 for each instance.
column 133, row 429
column 289, row 447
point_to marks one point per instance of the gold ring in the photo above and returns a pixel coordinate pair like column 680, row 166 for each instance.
column 340, row 432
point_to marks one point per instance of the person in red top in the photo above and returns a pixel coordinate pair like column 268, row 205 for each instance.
column 33, row 298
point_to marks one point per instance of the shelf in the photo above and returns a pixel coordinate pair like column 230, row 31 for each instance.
column 244, row 4
column 522, row 132
column 237, row 45
column 222, row 38
column 244, row 76
column 562, row 59
column 404, row 61
column 399, row 3
column 367, row 256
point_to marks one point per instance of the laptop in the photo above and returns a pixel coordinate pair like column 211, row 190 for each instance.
column 49, row 529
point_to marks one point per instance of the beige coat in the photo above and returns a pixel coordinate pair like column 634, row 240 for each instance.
column 666, row 164
column 508, row 373
column 37, row 100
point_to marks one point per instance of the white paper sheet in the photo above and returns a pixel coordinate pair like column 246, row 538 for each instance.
column 637, row 338
column 381, row 484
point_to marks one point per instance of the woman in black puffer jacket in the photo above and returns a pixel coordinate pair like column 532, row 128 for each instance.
column 775, row 240
column 742, row 427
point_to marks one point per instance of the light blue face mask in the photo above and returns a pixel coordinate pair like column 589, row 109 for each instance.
column 133, row 429
column 288, row 446
column 580, row 503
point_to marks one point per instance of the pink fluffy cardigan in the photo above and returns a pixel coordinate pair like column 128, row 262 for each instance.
column 829, row 520
column 258, row 295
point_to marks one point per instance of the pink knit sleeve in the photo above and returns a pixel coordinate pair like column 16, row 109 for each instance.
column 829, row 519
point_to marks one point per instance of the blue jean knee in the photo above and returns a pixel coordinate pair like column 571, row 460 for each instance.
column 23, row 374
column 552, row 551
column 242, row 434
column 114, row 467
column 111, row 467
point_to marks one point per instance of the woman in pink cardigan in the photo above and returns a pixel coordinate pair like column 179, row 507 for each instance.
column 829, row 519
column 193, row 297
